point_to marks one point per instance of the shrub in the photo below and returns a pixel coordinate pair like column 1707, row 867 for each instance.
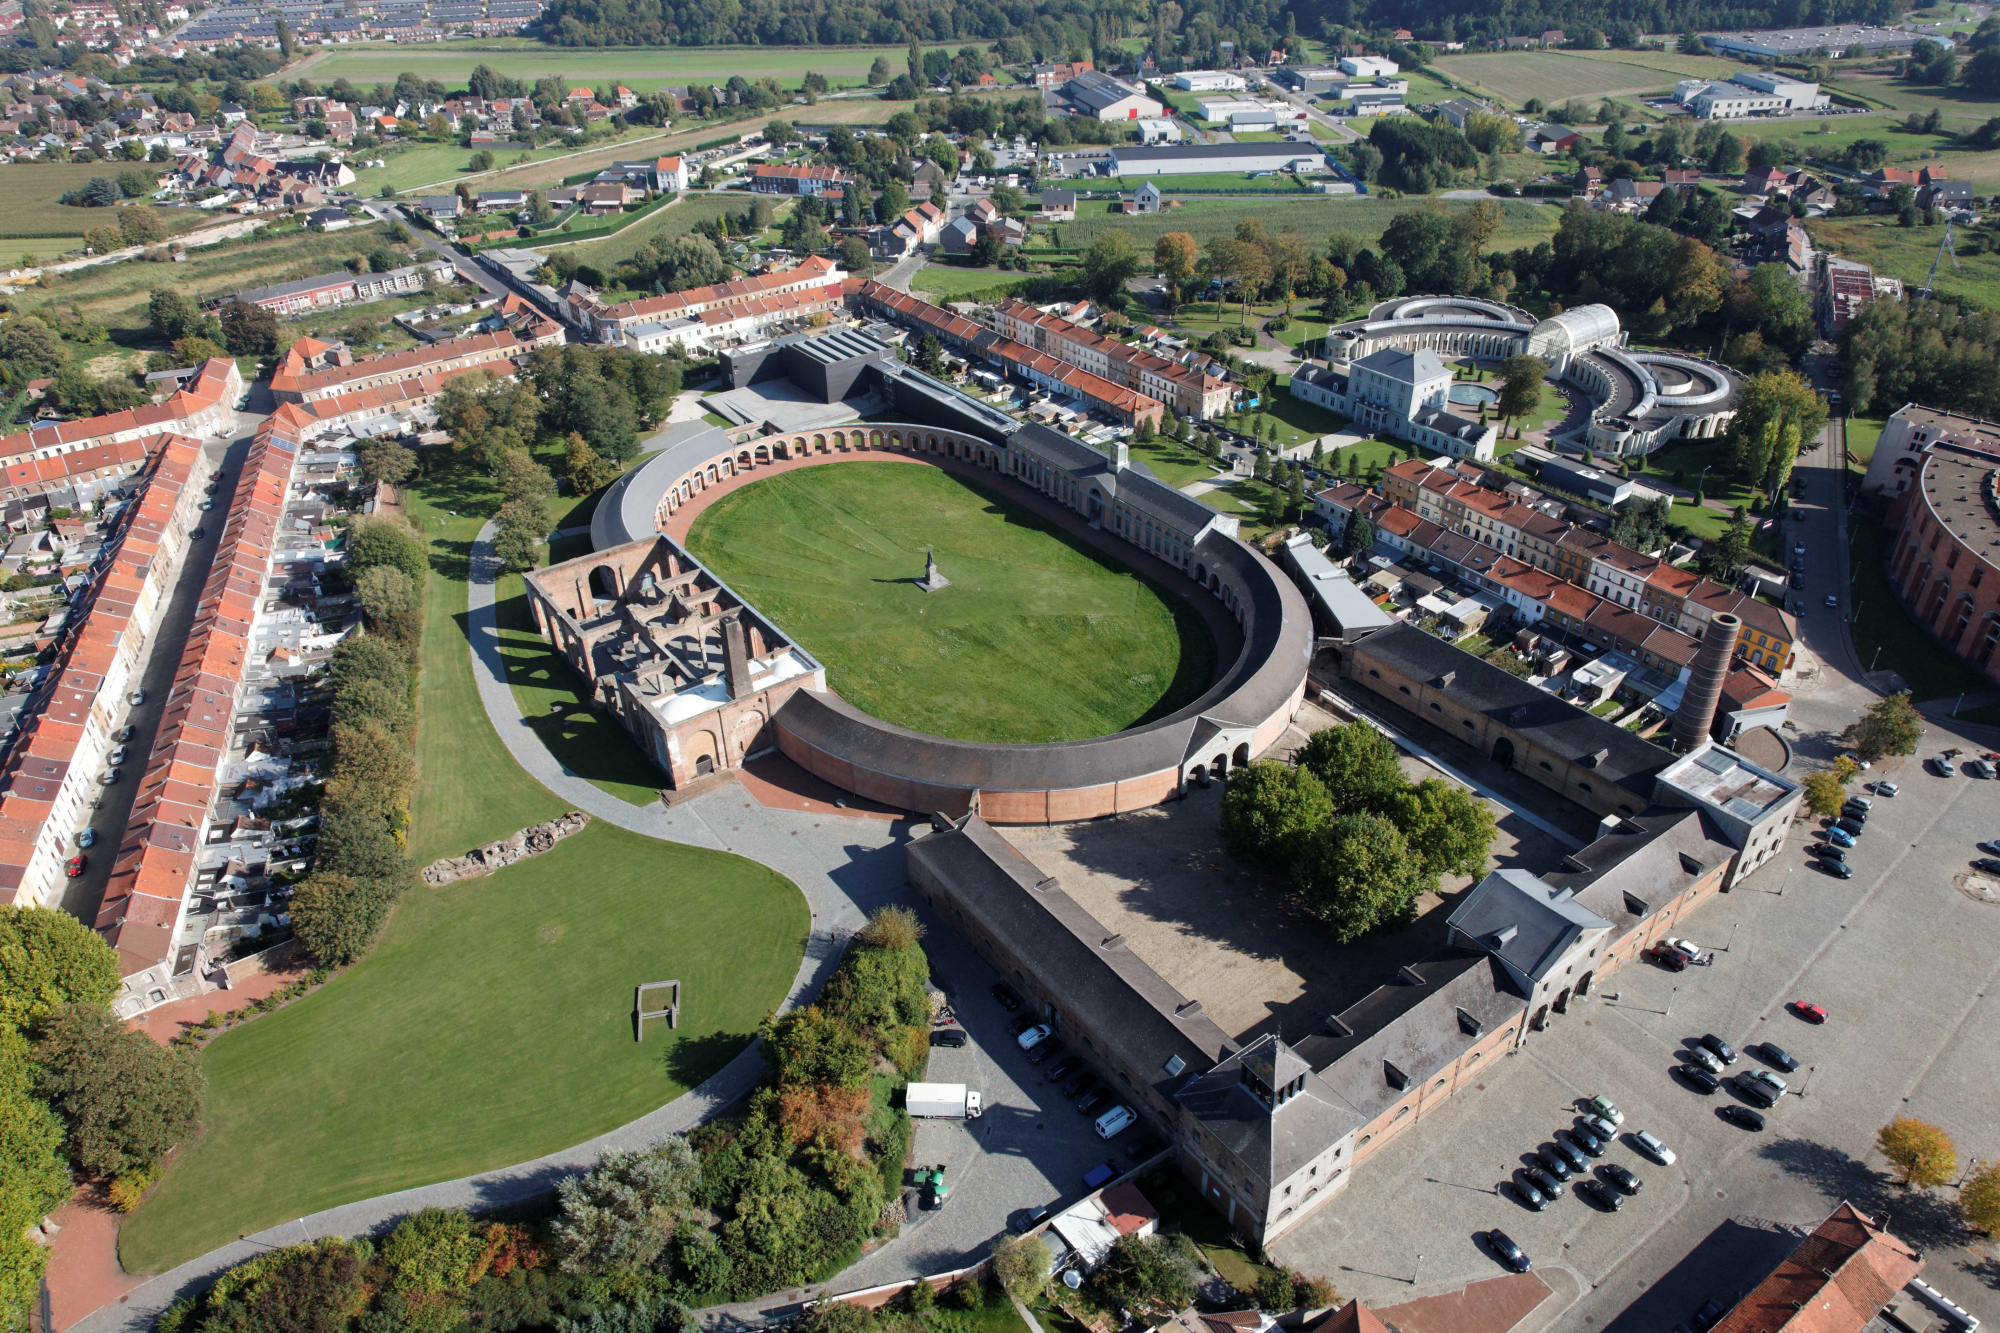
column 619, row 1215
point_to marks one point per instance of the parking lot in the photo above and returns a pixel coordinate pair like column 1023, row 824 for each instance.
column 1031, row 1147
column 1903, row 956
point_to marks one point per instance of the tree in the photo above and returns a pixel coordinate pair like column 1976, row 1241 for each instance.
column 1890, row 726
column 1979, row 1201
column 1520, row 385
column 929, row 356
column 1449, row 830
column 29, row 348
column 1108, row 263
column 249, row 330
column 124, row 1098
column 1174, row 255
column 386, row 594
column 1358, row 874
column 34, row 1179
column 809, row 1048
column 618, row 1216
column 1021, row 1263
column 1824, row 795
column 1270, row 810
column 519, row 540
column 48, row 959
column 879, row 72
column 1155, row 1273
column 97, row 192
column 1360, row 532
column 387, row 461
column 1923, row 1155
column 336, row 917
column 1357, row 764
column 383, row 540
column 585, row 468
column 173, row 315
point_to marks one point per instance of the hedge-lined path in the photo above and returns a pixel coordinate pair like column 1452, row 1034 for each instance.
column 845, row 866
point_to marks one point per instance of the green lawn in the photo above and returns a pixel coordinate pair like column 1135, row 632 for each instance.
column 491, row 1024
column 407, row 168
column 1172, row 462
column 676, row 219
column 1863, row 433
column 948, row 282
column 1046, row 639
column 1369, row 454
column 1303, row 419
column 1886, row 637
column 1182, row 1209
column 1908, row 253
column 31, row 219
column 640, row 68
column 1557, row 76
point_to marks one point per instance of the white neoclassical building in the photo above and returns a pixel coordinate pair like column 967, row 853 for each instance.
column 1642, row 398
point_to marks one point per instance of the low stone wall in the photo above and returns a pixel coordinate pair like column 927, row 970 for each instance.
column 498, row 855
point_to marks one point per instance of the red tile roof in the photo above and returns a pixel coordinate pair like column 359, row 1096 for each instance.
column 1836, row 1281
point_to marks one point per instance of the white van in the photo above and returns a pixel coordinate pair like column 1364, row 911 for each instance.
column 1655, row 1149
column 1115, row 1122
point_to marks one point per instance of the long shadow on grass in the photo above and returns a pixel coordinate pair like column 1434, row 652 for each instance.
column 690, row 1061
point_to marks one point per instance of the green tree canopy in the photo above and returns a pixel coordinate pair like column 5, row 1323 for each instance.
column 618, row 1216
column 1269, row 811
column 124, row 1098
column 1156, row 1273
column 1357, row 764
column 1108, row 262
column 1358, row 874
column 1891, row 725
column 1449, row 830
column 48, row 958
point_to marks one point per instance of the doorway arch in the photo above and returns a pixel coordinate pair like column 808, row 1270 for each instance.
column 1503, row 752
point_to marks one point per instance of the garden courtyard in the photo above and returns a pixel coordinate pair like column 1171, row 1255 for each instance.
column 1039, row 637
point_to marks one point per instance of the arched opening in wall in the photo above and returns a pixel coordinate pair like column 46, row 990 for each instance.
column 743, row 460
column 1541, row 1019
column 1503, row 752
column 1200, row 572
column 1197, row 776
column 1219, row 766
column 604, row 582
column 1215, row 584
column 875, row 440
column 762, row 454
column 819, row 444
column 1583, row 983
column 751, row 733
column 1561, row 1003
column 704, row 766
column 1243, row 755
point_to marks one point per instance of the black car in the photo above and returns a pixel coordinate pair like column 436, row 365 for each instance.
column 1545, row 1182
column 1851, row 826
column 1093, row 1097
column 1671, row 959
column 1044, row 1049
column 948, row 1037
column 1503, row 1244
column 1554, row 1163
column 1838, row 869
column 1577, row 1161
column 1060, row 1071
column 1701, row 1078
column 1021, row 1023
column 1004, row 996
column 1778, row 1057
column 198, row 533
column 1710, row 1314
column 1601, row 1194
column 1755, row 1091
column 1587, row 1142
column 1526, row 1192
column 1721, row 1049
column 1622, row 1178
column 1079, row 1085
column 1826, row 851
column 1742, row 1115
column 1029, row 1220
column 1854, row 810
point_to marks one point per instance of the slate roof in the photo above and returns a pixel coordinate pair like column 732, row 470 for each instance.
column 1275, row 1141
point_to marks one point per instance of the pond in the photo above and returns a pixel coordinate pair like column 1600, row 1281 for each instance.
column 1474, row 395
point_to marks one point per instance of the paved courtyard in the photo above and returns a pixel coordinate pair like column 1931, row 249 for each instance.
column 1903, row 960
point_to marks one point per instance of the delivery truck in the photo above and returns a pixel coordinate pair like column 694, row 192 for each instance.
column 949, row 1101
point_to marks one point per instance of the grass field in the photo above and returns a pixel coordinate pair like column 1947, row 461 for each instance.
column 1557, row 76
column 949, row 281
column 1200, row 180
column 676, row 219
column 417, row 165
column 641, row 69
column 1907, row 253
column 115, row 295
column 490, row 1025
column 1317, row 216
column 1885, row 637
column 1051, row 640
column 30, row 217
column 1955, row 102
column 1863, row 433
column 1172, row 462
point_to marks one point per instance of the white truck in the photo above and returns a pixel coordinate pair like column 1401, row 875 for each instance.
column 947, row 1101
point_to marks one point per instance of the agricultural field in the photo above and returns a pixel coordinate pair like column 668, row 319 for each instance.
column 1954, row 103
column 115, row 295
column 1317, row 216
column 1556, row 76
column 29, row 211
column 411, row 168
column 641, row 69
column 1907, row 253
column 1065, row 642
column 1424, row 88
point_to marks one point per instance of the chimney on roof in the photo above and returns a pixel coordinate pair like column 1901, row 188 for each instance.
column 735, row 658
column 1696, row 716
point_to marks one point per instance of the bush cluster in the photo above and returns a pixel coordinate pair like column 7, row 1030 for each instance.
column 361, row 867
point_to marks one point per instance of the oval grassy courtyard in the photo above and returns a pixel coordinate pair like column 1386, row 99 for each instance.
column 1039, row 638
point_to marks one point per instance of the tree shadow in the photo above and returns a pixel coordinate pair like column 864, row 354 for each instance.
column 690, row 1061
column 1926, row 1219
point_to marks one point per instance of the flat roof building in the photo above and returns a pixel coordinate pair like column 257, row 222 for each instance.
column 1781, row 43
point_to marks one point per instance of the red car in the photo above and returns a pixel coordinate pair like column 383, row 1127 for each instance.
column 1812, row 1013
column 76, row 865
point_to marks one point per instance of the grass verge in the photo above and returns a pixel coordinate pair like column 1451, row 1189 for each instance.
column 1888, row 638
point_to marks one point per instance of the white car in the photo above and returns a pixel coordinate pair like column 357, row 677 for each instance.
column 136, row 697
column 1115, row 1122
column 1034, row 1036
column 1655, row 1149
column 1884, row 788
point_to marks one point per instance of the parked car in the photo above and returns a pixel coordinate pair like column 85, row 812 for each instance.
column 1980, row 768
column 1601, row 1105
column 1806, row 1009
column 1115, row 1122
column 1554, row 1162
column 1545, row 1181
column 1855, row 813
column 1601, row 1194
column 1856, row 759
column 1838, row 869
column 1832, row 600
column 1525, row 1191
column 1943, row 766
column 86, row 836
column 1826, row 851
column 198, row 533
column 1034, row 1035
column 1092, row 1098
column 1586, row 1142
column 1046, row 1050
column 1741, row 1115
column 1839, row 837
column 1578, row 1163
column 1779, row 1056
column 135, row 698
column 1755, row 1091
column 111, row 776
column 1671, row 959
column 1697, row 1055
column 1602, row 1128
column 1765, row 1079
column 1007, row 999
column 1622, row 1178
column 1861, row 802
column 1515, row 1257
column 1060, row 1071
column 1021, row 1023
column 1991, row 865
column 77, row 865
column 1851, row 826
column 1650, row 1144
column 951, row 1037
column 1029, row 1220
column 1723, row 1050
column 1703, row 1079
column 1884, row 788
column 118, row 755
column 1709, row 1315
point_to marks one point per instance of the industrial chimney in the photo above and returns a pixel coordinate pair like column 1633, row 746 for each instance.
column 1704, row 688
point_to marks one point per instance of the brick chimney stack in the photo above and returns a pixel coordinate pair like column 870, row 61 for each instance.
column 1696, row 717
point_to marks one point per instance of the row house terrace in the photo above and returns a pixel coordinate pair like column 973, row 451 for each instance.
column 615, row 323
column 206, row 407
column 52, row 769
column 171, row 842
column 298, row 381
column 1192, row 390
